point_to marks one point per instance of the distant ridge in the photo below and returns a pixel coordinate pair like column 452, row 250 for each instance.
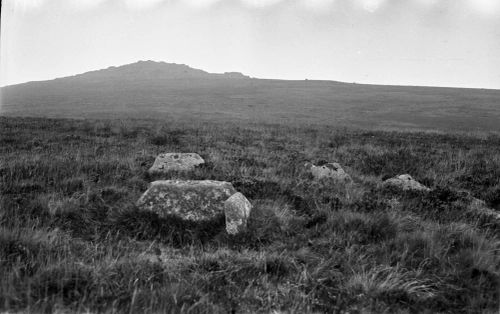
column 145, row 70
column 152, row 70
column 149, row 89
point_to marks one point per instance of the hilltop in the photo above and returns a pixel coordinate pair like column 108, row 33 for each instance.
column 149, row 70
column 149, row 89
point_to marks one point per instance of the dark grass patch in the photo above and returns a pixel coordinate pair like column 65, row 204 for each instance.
column 114, row 286
column 492, row 197
column 389, row 163
column 243, row 161
column 261, row 189
column 483, row 172
column 316, row 220
column 328, row 293
column 277, row 266
column 167, row 138
column 137, row 183
column 113, row 194
column 78, row 223
column 417, row 248
column 365, row 229
column 10, row 140
column 301, row 205
column 371, row 201
column 19, row 208
column 225, row 278
column 263, row 228
column 106, row 171
column 26, row 187
column 172, row 230
column 442, row 204
column 254, row 188
column 22, row 253
column 66, row 285
column 469, row 288
column 71, row 185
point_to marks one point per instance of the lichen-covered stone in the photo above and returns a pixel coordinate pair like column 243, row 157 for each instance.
column 237, row 210
column 176, row 162
column 329, row 170
column 480, row 208
column 191, row 200
column 406, row 182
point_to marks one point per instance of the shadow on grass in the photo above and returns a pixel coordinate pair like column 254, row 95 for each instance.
column 171, row 230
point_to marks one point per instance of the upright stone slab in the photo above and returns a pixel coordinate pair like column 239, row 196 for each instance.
column 237, row 210
column 406, row 182
column 176, row 162
column 191, row 200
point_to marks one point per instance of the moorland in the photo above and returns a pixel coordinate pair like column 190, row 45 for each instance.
column 72, row 239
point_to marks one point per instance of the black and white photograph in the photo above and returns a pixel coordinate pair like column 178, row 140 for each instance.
column 250, row 156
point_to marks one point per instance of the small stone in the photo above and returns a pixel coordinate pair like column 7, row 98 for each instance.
column 479, row 207
column 406, row 182
column 329, row 170
column 176, row 162
column 237, row 209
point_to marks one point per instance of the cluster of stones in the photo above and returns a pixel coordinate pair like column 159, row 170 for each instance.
column 199, row 200
column 194, row 200
column 403, row 182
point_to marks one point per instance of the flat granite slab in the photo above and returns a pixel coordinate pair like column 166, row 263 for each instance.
column 189, row 199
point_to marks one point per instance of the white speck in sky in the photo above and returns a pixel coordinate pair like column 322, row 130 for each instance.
column 142, row 4
column 85, row 4
column 23, row 5
column 260, row 3
column 318, row 5
column 371, row 5
column 485, row 6
column 201, row 4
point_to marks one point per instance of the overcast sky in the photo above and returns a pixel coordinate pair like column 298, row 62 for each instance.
column 404, row 42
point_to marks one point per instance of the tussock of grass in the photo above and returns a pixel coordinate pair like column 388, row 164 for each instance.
column 71, row 238
column 392, row 283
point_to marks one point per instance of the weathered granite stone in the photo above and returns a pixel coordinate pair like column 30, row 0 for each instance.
column 406, row 182
column 237, row 209
column 176, row 162
column 329, row 170
column 479, row 207
column 190, row 200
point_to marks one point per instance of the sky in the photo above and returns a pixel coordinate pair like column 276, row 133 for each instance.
column 399, row 42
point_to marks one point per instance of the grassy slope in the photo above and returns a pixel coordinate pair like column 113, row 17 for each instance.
column 70, row 237
column 269, row 101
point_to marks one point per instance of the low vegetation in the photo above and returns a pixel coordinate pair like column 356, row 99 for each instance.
column 71, row 238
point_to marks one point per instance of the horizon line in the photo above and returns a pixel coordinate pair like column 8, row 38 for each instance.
column 251, row 77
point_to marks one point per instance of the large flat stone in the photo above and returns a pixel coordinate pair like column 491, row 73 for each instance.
column 191, row 200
